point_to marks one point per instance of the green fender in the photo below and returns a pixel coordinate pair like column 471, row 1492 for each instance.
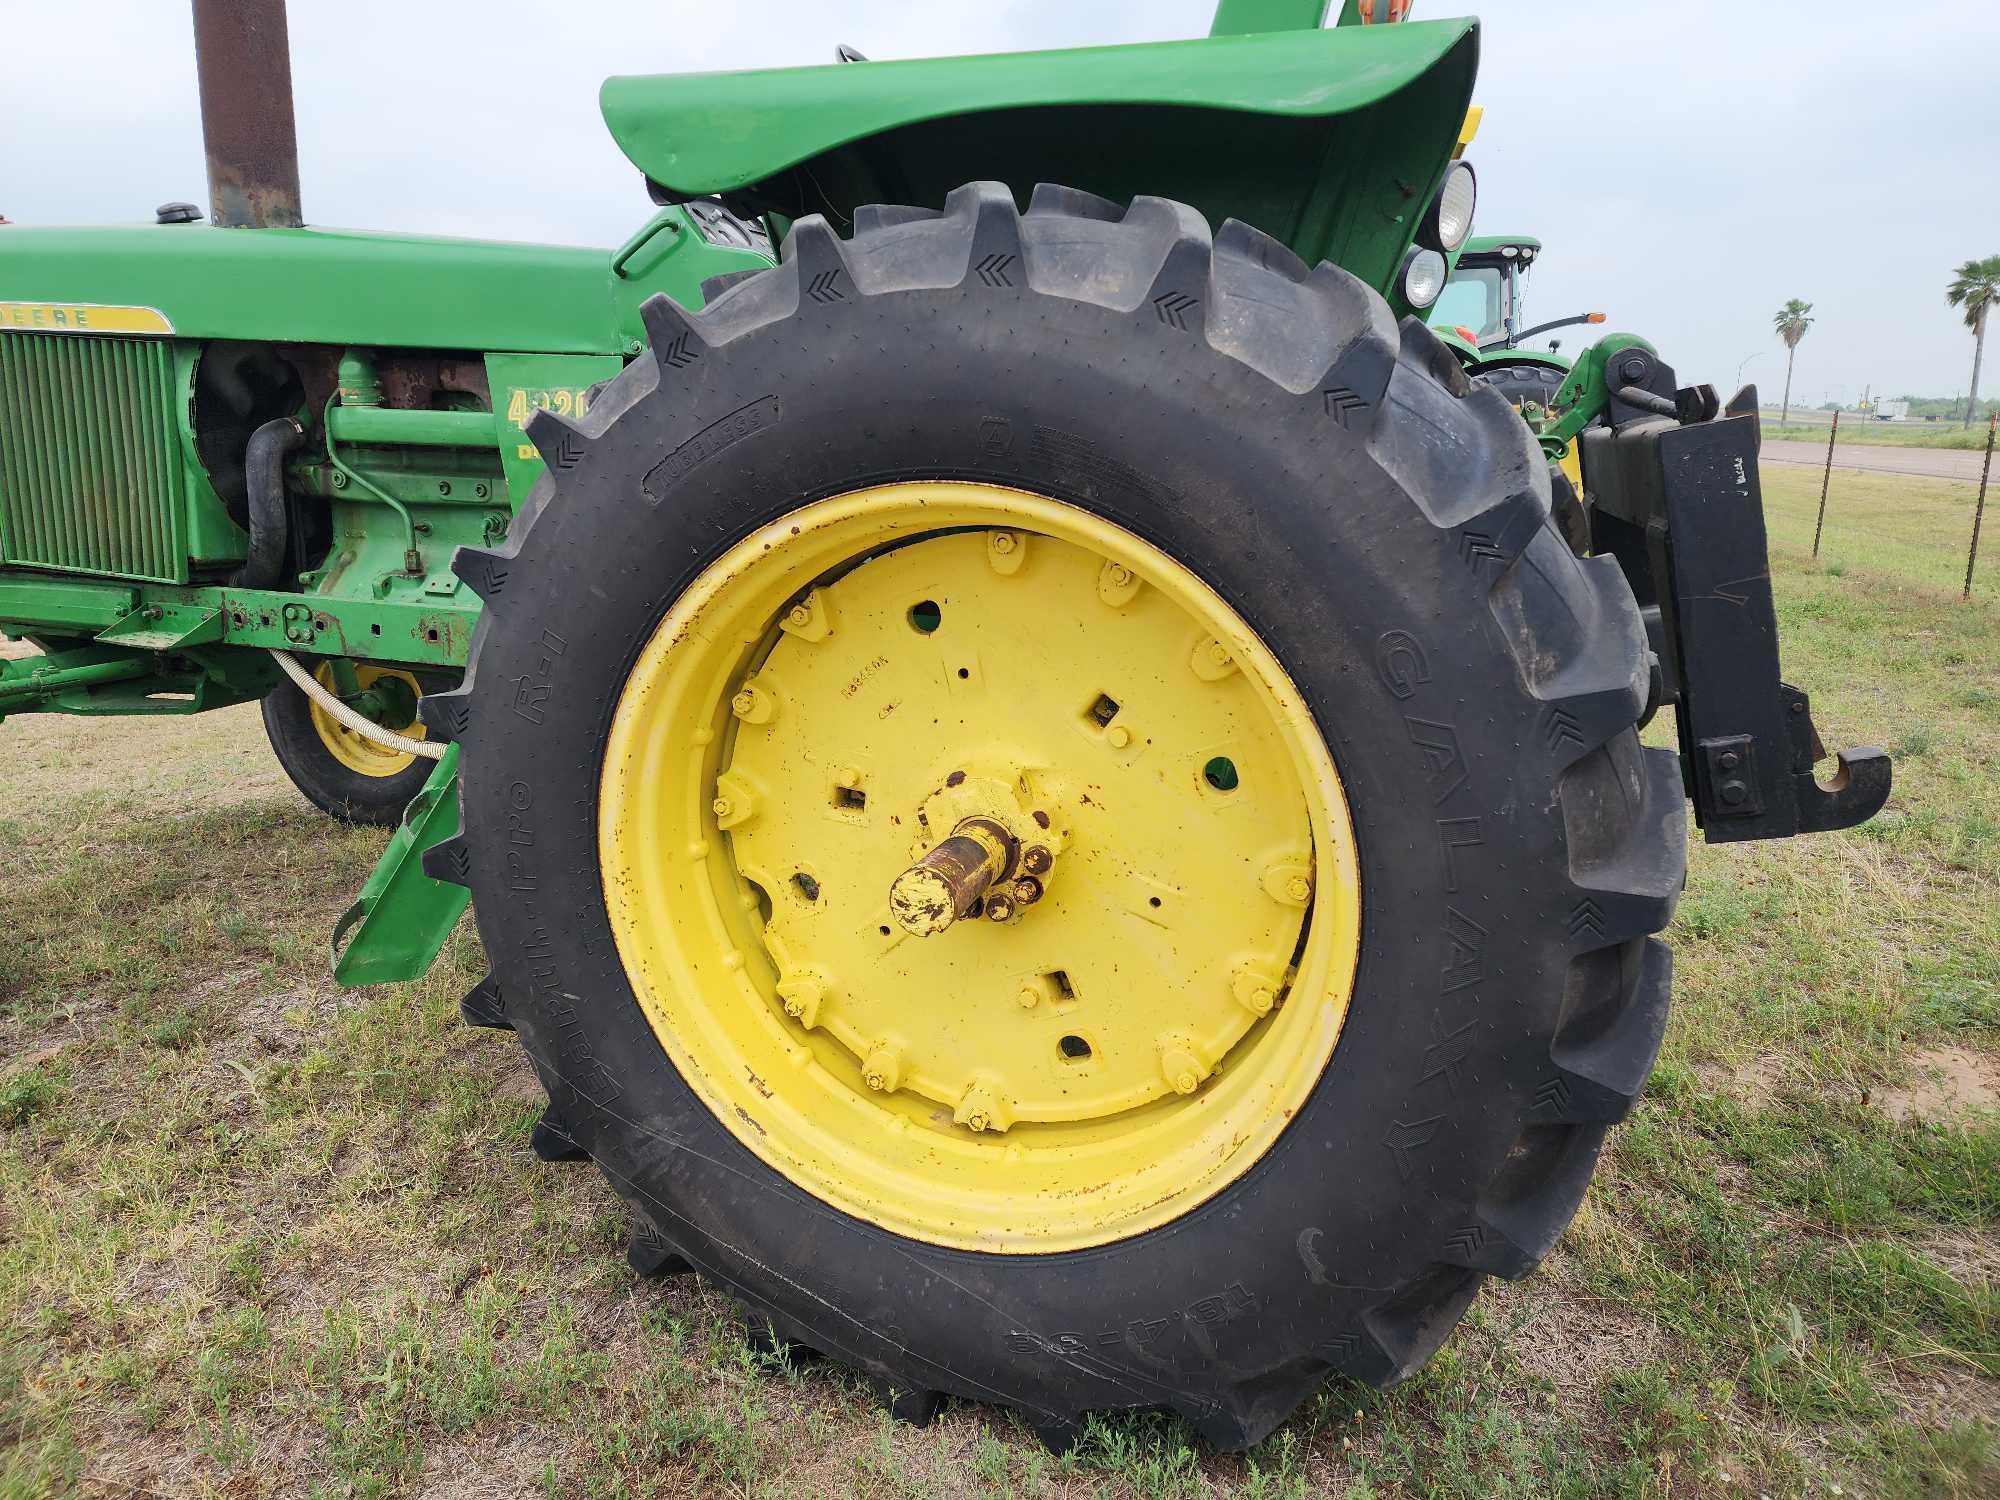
column 1333, row 141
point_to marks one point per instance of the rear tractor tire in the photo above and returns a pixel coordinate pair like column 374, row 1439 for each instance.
column 345, row 775
column 1051, row 810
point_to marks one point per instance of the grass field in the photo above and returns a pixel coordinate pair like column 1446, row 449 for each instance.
column 259, row 1237
column 1940, row 434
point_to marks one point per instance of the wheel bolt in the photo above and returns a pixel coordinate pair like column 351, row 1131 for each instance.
column 799, row 616
column 978, row 1120
column 1183, row 1072
column 883, row 1069
column 1003, row 542
column 1299, row 889
column 721, row 807
column 743, row 704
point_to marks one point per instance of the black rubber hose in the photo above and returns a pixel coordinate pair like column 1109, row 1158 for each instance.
column 264, row 472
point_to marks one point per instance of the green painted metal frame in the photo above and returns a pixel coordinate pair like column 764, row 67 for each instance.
column 402, row 918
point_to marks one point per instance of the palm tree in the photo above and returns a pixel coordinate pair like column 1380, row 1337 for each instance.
column 1975, row 286
column 1791, row 323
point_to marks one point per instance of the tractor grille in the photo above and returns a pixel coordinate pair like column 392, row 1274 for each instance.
column 90, row 472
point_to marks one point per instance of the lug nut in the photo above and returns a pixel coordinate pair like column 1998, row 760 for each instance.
column 1182, row 1070
column 981, row 1109
column 883, row 1069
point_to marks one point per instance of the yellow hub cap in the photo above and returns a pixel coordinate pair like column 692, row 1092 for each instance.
column 979, row 867
column 355, row 751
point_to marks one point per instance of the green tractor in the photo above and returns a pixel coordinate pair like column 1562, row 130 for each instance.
column 1038, row 783
column 1480, row 312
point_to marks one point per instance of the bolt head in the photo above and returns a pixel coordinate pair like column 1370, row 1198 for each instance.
column 1120, row 574
column 1185, row 1082
column 799, row 616
column 1218, row 653
column 1261, row 1000
column 1037, row 860
column 875, row 1081
column 999, row 908
column 1729, row 760
column 1027, row 890
column 1299, row 888
column 979, row 1120
column 1029, row 997
column 1004, row 542
column 1735, row 793
column 1118, row 736
column 795, row 1006
column 722, row 807
column 1633, row 369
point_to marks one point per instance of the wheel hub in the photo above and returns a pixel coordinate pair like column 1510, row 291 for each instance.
column 907, row 758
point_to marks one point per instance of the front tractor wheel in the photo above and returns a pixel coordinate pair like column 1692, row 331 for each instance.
column 346, row 775
column 1051, row 810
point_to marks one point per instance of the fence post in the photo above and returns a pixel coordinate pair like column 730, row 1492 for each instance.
column 1979, row 506
column 1825, row 480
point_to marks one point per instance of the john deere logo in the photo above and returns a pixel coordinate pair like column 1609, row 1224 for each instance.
column 81, row 317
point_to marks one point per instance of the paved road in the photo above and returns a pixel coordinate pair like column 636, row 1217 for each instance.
column 1934, row 463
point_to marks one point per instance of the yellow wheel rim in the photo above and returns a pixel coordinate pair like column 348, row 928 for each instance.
column 358, row 752
column 839, row 693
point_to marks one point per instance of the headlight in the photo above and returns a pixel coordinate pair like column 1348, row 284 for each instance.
column 1423, row 277
column 1449, row 222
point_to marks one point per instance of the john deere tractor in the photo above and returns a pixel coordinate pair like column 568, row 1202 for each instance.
column 1038, row 784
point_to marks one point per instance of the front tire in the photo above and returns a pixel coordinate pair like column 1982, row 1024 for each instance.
column 1379, row 528
column 349, row 778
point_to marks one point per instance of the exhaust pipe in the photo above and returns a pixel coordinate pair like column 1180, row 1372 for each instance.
column 243, row 59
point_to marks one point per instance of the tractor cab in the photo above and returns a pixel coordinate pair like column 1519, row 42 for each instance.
column 1484, row 293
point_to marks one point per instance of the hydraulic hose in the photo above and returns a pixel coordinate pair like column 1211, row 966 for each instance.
column 367, row 729
column 270, row 526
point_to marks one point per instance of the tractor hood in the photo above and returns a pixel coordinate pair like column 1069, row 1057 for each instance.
column 1331, row 140
column 317, row 286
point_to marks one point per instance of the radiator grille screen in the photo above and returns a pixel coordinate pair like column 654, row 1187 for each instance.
column 90, row 472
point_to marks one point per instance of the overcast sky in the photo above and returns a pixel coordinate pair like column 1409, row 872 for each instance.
column 1689, row 165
